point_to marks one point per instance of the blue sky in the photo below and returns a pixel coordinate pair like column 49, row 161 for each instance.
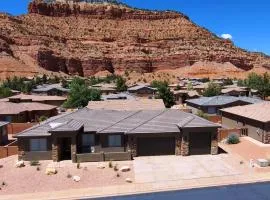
column 246, row 20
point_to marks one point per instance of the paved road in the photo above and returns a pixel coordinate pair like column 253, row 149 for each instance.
column 259, row 191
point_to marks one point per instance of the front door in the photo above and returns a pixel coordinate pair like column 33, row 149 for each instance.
column 65, row 148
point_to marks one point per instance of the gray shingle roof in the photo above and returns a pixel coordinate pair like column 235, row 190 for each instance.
column 127, row 122
column 3, row 123
column 221, row 100
column 118, row 96
column 48, row 87
column 138, row 87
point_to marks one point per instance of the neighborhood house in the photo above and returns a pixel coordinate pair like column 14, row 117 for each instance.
column 51, row 89
column 142, row 91
column 97, row 135
column 253, row 120
column 3, row 133
column 25, row 112
column 212, row 105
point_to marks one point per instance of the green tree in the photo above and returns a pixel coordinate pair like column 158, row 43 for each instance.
column 80, row 94
column 163, row 92
column 202, row 115
column 44, row 78
column 228, row 81
column 5, row 92
column 260, row 83
column 189, row 86
column 212, row 89
column 121, row 84
column 64, row 83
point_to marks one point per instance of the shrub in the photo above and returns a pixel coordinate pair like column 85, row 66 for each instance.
column 1, row 166
column 4, row 183
column 78, row 165
column 117, row 175
column 110, row 164
column 233, row 139
column 38, row 169
column 34, row 163
column 115, row 168
column 69, row 175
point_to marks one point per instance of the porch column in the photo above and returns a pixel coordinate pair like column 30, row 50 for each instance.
column 185, row 144
column 214, row 143
column 74, row 149
column 132, row 145
column 178, row 142
column 55, row 150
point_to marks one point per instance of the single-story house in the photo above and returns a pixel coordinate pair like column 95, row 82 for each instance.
column 51, row 90
column 142, row 91
column 181, row 96
column 212, row 105
column 22, row 98
column 25, row 112
column 105, row 88
column 3, row 133
column 135, row 104
column 254, row 120
column 98, row 135
column 234, row 90
column 118, row 96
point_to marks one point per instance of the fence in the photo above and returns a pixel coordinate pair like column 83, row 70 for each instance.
column 9, row 150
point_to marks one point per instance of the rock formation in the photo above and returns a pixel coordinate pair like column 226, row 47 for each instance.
column 86, row 38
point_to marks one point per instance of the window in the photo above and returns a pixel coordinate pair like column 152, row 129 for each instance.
column 88, row 140
column 115, row 141
column 211, row 110
column 38, row 144
column 7, row 118
column 4, row 131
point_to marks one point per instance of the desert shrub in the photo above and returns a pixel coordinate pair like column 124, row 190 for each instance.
column 115, row 168
column 38, row 168
column 34, row 163
column 110, row 164
column 1, row 166
column 117, row 175
column 233, row 139
column 78, row 165
column 69, row 175
column 202, row 115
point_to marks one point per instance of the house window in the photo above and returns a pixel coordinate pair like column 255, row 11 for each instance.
column 211, row 110
column 7, row 118
column 38, row 144
column 4, row 131
column 88, row 140
column 115, row 141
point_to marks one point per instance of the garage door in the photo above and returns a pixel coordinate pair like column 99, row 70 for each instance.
column 199, row 143
column 156, row 146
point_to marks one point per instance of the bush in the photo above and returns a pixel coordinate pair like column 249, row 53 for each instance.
column 1, row 166
column 69, row 175
column 213, row 89
column 110, row 164
column 233, row 139
column 38, row 168
column 78, row 165
column 202, row 115
column 34, row 163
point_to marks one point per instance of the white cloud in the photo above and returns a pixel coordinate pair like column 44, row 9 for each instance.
column 226, row 36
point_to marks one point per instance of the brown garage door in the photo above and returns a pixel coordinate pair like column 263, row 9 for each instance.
column 156, row 146
column 199, row 143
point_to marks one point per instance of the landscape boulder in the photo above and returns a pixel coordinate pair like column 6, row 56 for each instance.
column 50, row 171
column 124, row 169
column 128, row 180
column 19, row 164
column 76, row 178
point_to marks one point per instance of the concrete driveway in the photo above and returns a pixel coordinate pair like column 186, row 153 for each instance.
column 172, row 168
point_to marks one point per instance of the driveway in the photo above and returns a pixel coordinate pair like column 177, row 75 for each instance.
column 172, row 168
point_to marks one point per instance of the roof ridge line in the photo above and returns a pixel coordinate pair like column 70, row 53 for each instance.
column 47, row 121
column 186, row 121
column 163, row 111
column 133, row 113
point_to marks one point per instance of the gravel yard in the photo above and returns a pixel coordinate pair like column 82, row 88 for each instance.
column 29, row 180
